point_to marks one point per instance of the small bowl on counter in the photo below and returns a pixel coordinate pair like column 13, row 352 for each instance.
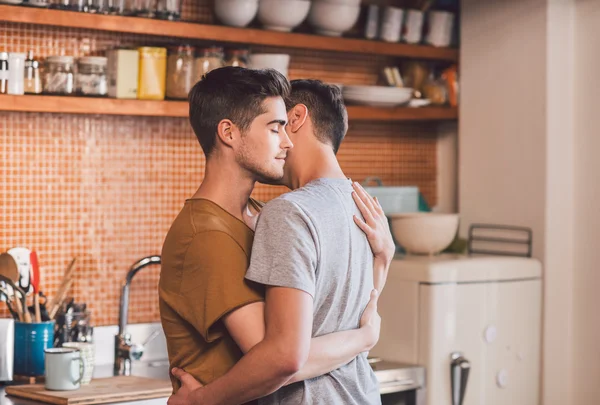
column 424, row 233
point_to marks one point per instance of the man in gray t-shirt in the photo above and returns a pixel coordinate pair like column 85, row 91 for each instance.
column 306, row 239
column 318, row 268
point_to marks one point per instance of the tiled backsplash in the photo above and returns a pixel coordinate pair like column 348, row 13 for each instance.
column 105, row 189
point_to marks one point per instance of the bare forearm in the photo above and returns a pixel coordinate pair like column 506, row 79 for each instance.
column 380, row 272
column 332, row 351
column 257, row 374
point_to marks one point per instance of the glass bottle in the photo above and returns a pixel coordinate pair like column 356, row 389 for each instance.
column 33, row 79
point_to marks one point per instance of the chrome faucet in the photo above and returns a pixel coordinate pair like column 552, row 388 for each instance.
column 125, row 350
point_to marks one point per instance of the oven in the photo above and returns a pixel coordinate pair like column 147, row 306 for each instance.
column 399, row 384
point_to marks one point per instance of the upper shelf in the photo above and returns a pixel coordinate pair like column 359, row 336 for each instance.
column 108, row 106
column 219, row 33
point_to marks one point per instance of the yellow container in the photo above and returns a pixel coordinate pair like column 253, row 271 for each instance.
column 153, row 73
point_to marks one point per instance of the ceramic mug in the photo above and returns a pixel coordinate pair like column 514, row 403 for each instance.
column 64, row 369
column 88, row 354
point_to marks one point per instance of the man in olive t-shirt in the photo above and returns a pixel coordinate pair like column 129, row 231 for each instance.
column 204, row 260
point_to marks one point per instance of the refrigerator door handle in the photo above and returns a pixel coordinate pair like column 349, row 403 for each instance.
column 459, row 375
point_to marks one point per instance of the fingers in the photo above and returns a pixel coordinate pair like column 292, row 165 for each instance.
column 378, row 207
column 364, row 209
column 177, row 372
column 362, row 225
column 366, row 197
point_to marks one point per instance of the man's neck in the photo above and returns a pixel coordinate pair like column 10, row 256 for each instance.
column 322, row 164
column 226, row 185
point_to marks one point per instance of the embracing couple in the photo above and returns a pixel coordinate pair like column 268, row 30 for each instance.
column 275, row 303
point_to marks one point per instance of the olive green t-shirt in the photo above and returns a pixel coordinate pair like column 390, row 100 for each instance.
column 204, row 259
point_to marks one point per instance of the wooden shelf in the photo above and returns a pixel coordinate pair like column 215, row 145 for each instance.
column 108, row 106
column 144, row 26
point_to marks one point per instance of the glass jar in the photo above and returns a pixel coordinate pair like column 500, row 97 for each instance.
column 209, row 59
column 180, row 72
column 3, row 72
column 33, row 80
column 152, row 73
column 237, row 57
column 91, row 76
column 168, row 9
column 436, row 90
column 59, row 77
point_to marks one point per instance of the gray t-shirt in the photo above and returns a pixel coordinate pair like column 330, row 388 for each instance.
column 307, row 239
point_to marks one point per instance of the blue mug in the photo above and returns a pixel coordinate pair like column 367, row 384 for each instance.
column 31, row 339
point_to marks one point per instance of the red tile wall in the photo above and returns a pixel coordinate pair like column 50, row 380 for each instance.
column 105, row 189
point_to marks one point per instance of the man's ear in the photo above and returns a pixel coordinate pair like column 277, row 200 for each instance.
column 297, row 116
column 227, row 132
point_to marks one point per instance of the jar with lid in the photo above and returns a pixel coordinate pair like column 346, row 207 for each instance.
column 33, row 80
column 237, row 57
column 152, row 73
column 208, row 59
column 3, row 72
column 59, row 77
column 91, row 76
column 168, row 9
column 435, row 89
column 180, row 72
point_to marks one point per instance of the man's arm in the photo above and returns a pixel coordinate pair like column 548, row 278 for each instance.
column 273, row 361
column 375, row 225
column 327, row 352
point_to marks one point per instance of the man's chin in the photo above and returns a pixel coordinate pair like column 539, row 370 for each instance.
column 271, row 181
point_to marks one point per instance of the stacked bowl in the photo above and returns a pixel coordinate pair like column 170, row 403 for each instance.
column 333, row 17
column 236, row 13
column 282, row 15
column 377, row 96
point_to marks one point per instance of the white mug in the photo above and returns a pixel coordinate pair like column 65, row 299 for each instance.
column 16, row 73
column 88, row 355
column 64, row 369
column 391, row 24
column 441, row 24
column 412, row 32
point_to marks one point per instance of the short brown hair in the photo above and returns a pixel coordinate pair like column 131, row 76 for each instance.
column 325, row 107
column 231, row 93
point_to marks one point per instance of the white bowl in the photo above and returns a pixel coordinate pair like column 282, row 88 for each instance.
column 236, row 13
column 377, row 96
column 277, row 61
column 282, row 15
column 348, row 2
column 332, row 19
column 425, row 232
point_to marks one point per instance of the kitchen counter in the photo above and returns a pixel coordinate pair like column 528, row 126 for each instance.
column 392, row 377
column 151, row 369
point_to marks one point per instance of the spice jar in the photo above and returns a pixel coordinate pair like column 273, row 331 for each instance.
column 180, row 72
column 168, row 9
column 237, row 57
column 436, row 90
column 91, row 76
column 209, row 59
column 59, row 77
column 33, row 80
column 152, row 73
column 3, row 72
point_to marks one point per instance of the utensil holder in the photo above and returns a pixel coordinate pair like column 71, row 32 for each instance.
column 31, row 339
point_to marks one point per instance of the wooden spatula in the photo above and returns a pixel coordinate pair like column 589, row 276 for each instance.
column 35, row 270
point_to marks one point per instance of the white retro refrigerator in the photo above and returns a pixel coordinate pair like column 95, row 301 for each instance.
column 474, row 323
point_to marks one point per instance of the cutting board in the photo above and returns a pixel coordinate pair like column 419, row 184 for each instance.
column 99, row 391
